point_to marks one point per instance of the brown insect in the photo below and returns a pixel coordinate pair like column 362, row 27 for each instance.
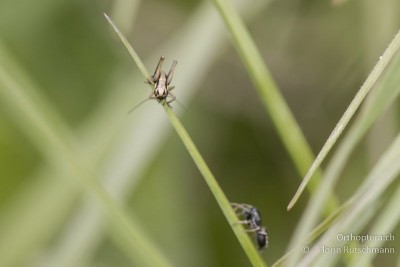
column 161, row 82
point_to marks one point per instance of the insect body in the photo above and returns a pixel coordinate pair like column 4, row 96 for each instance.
column 162, row 81
column 262, row 238
column 252, row 218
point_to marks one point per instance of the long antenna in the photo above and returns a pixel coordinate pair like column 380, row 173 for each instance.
column 137, row 105
column 182, row 105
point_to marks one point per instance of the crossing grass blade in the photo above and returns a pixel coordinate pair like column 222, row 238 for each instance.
column 386, row 223
column 379, row 68
column 283, row 119
column 384, row 93
column 384, row 173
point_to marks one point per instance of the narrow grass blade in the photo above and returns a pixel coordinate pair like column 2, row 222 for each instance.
column 386, row 223
column 379, row 100
column 378, row 180
column 322, row 227
column 284, row 121
column 314, row 234
column 38, row 120
column 219, row 195
column 356, row 228
column 349, row 113
column 134, row 55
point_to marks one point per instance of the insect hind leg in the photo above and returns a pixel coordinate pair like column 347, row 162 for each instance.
column 157, row 72
column 171, row 72
column 173, row 98
column 241, row 207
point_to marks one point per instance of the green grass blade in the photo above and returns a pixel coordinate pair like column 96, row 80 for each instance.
column 322, row 227
column 315, row 233
column 379, row 100
column 219, row 195
column 132, row 52
column 284, row 121
column 378, row 180
column 212, row 183
column 386, row 223
column 356, row 228
column 349, row 113
column 39, row 121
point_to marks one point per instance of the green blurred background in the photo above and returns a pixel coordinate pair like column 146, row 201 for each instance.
column 319, row 53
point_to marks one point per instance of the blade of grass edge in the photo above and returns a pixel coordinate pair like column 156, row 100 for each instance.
column 317, row 231
column 384, row 173
column 211, row 181
column 386, row 223
column 284, row 121
column 216, row 190
column 322, row 227
column 380, row 99
column 348, row 114
column 131, row 51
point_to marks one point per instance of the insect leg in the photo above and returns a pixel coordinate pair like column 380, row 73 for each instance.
column 242, row 207
column 137, row 105
column 171, row 72
column 157, row 72
column 152, row 96
column 252, row 230
column 243, row 222
column 173, row 97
